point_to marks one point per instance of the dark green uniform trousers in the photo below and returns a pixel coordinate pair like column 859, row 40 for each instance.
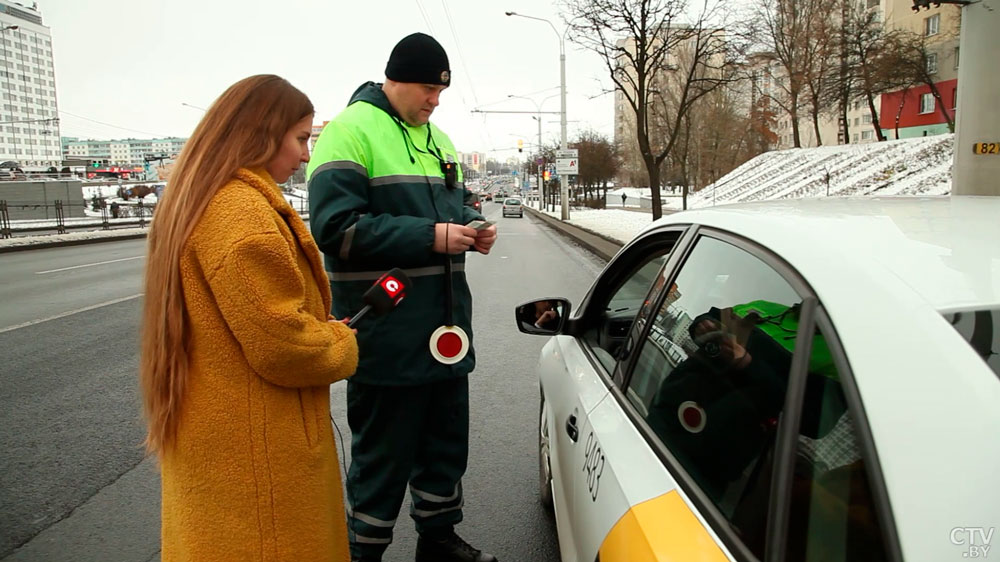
column 416, row 435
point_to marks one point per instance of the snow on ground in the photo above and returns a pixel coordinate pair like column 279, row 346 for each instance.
column 616, row 224
column 70, row 237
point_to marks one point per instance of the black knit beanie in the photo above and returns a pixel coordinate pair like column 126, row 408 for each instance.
column 419, row 58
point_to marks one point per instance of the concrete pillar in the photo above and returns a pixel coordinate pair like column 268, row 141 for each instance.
column 978, row 120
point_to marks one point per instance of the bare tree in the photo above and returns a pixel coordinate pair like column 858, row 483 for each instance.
column 867, row 62
column 598, row 161
column 718, row 136
column 819, row 62
column 639, row 42
column 913, row 55
column 784, row 27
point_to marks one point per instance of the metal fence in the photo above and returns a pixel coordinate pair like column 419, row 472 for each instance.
column 112, row 216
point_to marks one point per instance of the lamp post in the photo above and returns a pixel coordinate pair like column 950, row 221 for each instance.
column 563, row 184
column 538, row 117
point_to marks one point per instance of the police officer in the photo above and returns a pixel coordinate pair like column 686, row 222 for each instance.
column 385, row 190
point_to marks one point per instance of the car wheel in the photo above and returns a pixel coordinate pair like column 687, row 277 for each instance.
column 544, row 467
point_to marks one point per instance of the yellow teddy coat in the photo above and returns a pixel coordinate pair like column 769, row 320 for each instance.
column 253, row 475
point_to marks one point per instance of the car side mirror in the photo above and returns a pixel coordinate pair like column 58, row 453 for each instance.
column 542, row 317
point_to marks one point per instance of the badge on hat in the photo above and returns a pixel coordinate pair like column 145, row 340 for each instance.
column 449, row 344
column 445, row 76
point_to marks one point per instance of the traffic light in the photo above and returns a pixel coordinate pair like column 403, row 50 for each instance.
column 520, row 145
column 545, row 176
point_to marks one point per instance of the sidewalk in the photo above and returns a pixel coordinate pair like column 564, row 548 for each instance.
column 69, row 239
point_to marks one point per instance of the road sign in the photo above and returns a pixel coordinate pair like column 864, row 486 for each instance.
column 567, row 166
column 567, row 153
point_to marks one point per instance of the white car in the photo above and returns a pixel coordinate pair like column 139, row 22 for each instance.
column 794, row 380
column 512, row 206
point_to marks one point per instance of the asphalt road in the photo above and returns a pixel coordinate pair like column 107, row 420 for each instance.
column 73, row 481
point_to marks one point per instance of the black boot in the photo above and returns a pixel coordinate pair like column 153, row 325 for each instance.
column 450, row 548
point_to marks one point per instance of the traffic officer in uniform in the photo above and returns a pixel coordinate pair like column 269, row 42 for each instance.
column 386, row 190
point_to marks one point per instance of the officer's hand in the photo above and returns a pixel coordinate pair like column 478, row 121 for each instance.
column 485, row 239
column 450, row 238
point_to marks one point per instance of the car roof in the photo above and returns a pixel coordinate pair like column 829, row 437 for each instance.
column 946, row 249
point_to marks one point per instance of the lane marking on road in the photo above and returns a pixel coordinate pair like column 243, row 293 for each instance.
column 70, row 313
column 87, row 265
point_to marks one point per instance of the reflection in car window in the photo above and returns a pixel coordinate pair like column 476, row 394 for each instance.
column 981, row 328
column 710, row 379
column 833, row 513
column 608, row 335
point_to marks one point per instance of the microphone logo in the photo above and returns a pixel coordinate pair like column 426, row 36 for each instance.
column 391, row 286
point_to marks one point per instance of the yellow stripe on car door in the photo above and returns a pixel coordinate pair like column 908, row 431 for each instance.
column 660, row 529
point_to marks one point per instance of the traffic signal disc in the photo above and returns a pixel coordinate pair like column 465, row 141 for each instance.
column 449, row 344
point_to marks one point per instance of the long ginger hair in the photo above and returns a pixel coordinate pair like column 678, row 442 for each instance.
column 244, row 128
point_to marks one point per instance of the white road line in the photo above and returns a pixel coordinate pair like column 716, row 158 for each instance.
column 87, row 265
column 70, row 313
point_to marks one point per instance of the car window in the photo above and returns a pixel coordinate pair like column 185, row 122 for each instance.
column 512, row 202
column 833, row 515
column 616, row 315
column 710, row 377
column 981, row 329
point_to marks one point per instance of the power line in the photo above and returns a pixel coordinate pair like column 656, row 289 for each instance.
column 113, row 126
column 458, row 47
column 465, row 68
column 423, row 14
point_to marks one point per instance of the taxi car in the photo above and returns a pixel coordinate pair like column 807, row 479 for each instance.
column 801, row 380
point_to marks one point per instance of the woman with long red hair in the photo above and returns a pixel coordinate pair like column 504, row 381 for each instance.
column 238, row 349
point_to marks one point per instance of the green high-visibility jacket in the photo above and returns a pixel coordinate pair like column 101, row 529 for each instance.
column 376, row 189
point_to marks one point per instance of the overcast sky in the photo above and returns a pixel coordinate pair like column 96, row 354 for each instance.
column 131, row 64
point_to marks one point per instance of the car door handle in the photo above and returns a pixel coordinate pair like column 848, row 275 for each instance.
column 571, row 429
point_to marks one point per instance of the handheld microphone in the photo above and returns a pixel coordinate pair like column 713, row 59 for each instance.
column 387, row 292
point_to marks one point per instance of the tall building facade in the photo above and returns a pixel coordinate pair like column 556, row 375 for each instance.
column 29, row 120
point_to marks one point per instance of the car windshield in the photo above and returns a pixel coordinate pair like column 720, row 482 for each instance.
column 981, row 329
column 512, row 202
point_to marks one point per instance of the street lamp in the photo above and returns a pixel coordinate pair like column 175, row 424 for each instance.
column 537, row 117
column 564, row 185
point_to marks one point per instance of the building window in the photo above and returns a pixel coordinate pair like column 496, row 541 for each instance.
column 956, row 57
column 926, row 103
column 867, row 118
column 932, row 25
column 866, row 135
column 855, row 137
column 932, row 63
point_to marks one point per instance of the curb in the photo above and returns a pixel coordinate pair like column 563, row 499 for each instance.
column 64, row 243
column 602, row 245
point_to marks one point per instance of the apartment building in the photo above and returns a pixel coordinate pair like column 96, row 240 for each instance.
column 916, row 111
column 122, row 152
column 29, row 124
